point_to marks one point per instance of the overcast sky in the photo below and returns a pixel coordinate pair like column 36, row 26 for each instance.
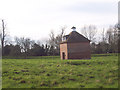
column 36, row 18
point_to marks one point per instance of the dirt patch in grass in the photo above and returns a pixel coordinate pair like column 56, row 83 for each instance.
column 25, row 70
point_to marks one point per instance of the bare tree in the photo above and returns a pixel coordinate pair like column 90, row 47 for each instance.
column 109, row 35
column 90, row 32
column 24, row 43
column 58, row 39
column 32, row 42
column 117, row 26
column 54, row 40
column 103, row 35
column 3, row 35
column 112, row 38
column 51, row 42
column 116, row 37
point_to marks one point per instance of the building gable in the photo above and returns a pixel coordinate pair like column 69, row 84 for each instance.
column 74, row 37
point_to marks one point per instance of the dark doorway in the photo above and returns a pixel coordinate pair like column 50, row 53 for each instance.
column 63, row 55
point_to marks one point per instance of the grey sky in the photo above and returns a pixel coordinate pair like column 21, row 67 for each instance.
column 36, row 18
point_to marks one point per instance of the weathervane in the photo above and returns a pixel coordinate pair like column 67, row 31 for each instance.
column 74, row 28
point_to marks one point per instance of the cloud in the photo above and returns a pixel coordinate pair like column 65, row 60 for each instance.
column 35, row 18
column 92, row 7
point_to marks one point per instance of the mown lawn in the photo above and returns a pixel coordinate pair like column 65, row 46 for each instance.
column 51, row 72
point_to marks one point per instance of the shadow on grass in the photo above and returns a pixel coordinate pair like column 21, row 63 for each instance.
column 104, row 55
column 54, row 57
column 32, row 57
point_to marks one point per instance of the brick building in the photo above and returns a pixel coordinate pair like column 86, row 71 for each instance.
column 75, row 46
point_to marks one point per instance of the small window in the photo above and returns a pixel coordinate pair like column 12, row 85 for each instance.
column 64, row 39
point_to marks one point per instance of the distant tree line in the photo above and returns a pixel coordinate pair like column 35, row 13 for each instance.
column 22, row 46
column 27, row 47
column 109, row 41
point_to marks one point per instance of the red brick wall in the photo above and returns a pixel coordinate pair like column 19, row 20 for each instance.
column 63, row 48
column 79, row 50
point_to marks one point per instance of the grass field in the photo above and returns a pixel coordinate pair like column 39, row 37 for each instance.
column 46, row 72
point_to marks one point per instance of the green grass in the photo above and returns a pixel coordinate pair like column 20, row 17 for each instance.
column 51, row 72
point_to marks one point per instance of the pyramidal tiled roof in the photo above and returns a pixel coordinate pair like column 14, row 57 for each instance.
column 75, row 37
